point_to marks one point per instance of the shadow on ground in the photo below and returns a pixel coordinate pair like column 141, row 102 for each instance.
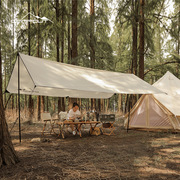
column 132, row 155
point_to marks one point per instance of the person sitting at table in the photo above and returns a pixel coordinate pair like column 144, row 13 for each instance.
column 74, row 114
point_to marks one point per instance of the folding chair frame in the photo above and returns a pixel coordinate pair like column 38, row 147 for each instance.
column 107, row 123
column 46, row 117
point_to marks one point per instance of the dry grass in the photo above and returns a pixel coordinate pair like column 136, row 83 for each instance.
column 133, row 155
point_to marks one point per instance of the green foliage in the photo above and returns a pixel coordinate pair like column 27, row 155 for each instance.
column 111, row 52
column 157, row 32
column 101, row 44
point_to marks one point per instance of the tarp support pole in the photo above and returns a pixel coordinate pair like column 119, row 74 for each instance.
column 19, row 98
column 129, row 96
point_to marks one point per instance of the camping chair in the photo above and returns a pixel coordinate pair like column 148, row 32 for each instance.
column 62, row 115
column 55, row 118
column 46, row 117
column 107, row 121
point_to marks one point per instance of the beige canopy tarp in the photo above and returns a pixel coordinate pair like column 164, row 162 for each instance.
column 158, row 111
column 49, row 78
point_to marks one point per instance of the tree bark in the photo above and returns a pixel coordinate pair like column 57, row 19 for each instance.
column 12, row 100
column 119, row 102
column 5, row 79
column 58, row 46
column 54, row 106
column 107, row 105
column 30, row 107
column 102, row 105
column 92, row 51
column 134, row 34
column 141, row 40
column 38, row 108
column 57, row 32
column 25, row 104
column 47, row 104
column 134, row 42
column 7, row 153
column 59, row 104
column 74, row 39
column 42, row 104
column 99, row 105
column 178, row 40
column 69, row 36
column 16, row 104
column 74, row 32
column 62, row 46
column 38, row 55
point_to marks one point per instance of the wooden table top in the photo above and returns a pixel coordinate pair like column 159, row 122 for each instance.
column 80, row 122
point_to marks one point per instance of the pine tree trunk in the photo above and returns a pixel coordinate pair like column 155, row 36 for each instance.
column 62, row 31
column 5, row 79
column 87, row 106
column 42, row 104
column 63, row 104
column 12, row 100
column 92, row 104
column 134, row 38
column 25, row 104
column 54, row 106
column 58, row 45
column 99, row 105
column 30, row 107
column 62, row 46
column 38, row 108
column 57, row 32
column 7, row 153
column 16, row 104
column 74, row 39
column 102, row 105
column 74, row 32
column 178, row 40
column 47, row 103
column 134, row 42
column 119, row 102
column 107, row 105
column 92, row 51
column 80, row 103
column 141, row 40
column 59, row 104
column 38, row 55
column 69, row 36
column 12, row 103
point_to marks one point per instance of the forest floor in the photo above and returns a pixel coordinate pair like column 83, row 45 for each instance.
column 132, row 155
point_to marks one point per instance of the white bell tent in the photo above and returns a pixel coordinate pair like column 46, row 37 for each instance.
column 158, row 111
column 169, row 84
column 38, row 76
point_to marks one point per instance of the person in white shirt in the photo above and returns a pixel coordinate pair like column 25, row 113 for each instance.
column 74, row 114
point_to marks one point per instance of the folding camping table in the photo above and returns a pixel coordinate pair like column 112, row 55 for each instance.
column 78, row 124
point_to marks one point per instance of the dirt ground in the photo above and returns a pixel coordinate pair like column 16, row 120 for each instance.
column 132, row 155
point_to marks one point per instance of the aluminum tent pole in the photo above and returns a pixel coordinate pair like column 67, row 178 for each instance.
column 19, row 98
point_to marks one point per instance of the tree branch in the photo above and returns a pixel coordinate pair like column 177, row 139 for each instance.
column 162, row 64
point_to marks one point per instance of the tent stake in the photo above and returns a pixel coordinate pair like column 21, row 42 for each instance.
column 19, row 98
